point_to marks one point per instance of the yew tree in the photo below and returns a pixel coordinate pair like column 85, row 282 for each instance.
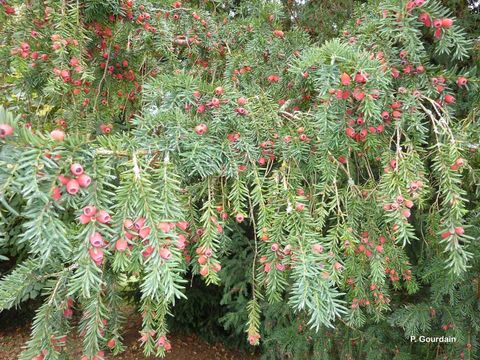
column 138, row 138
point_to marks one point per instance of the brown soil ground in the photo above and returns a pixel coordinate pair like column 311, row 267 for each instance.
column 184, row 347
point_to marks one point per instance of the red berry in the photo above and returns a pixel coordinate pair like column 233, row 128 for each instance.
column 216, row 267
column 201, row 129
column 139, row 223
column 446, row 234
column 278, row 33
column 181, row 242
column 57, row 135
column 89, row 210
column 447, row 23
column 148, row 251
column 360, row 78
column 103, row 217
column 164, row 227
column 144, row 232
column 63, row 179
column 165, row 253
column 241, row 101
column 459, row 230
column 121, row 245
column 56, row 193
column 96, row 254
column 437, row 23
column 74, row 62
column 449, row 99
column 273, row 78
column 111, row 343
column 204, row 271
column 350, row 132
column 459, row 162
column 68, row 313
column 5, row 130
column 84, row 180
column 241, row 111
column 182, row 225
column 128, row 224
column 76, row 169
column 345, row 79
column 96, row 240
column 462, row 81
column 84, row 219
column 73, row 187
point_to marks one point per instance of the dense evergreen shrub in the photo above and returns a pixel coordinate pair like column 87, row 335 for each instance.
column 328, row 186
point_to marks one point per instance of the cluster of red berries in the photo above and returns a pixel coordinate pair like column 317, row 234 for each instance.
column 68, row 311
column 367, row 246
column 80, row 180
column 414, row 3
column 408, row 68
column 73, row 185
column 438, row 24
column 357, row 127
column 240, row 71
column 24, row 51
column 90, row 213
column 133, row 230
column 96, row 250
column 5, row 130
column 439, row 84
column 414, row 187
column 356, row 303
column 458, row 230
column 138, row 229
column 215, row 103
column 400, row 204
column 267, row 148
column 119, row 70
column 459, row 163
column 206, row 261
column 278, row 257
column 162, row 341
